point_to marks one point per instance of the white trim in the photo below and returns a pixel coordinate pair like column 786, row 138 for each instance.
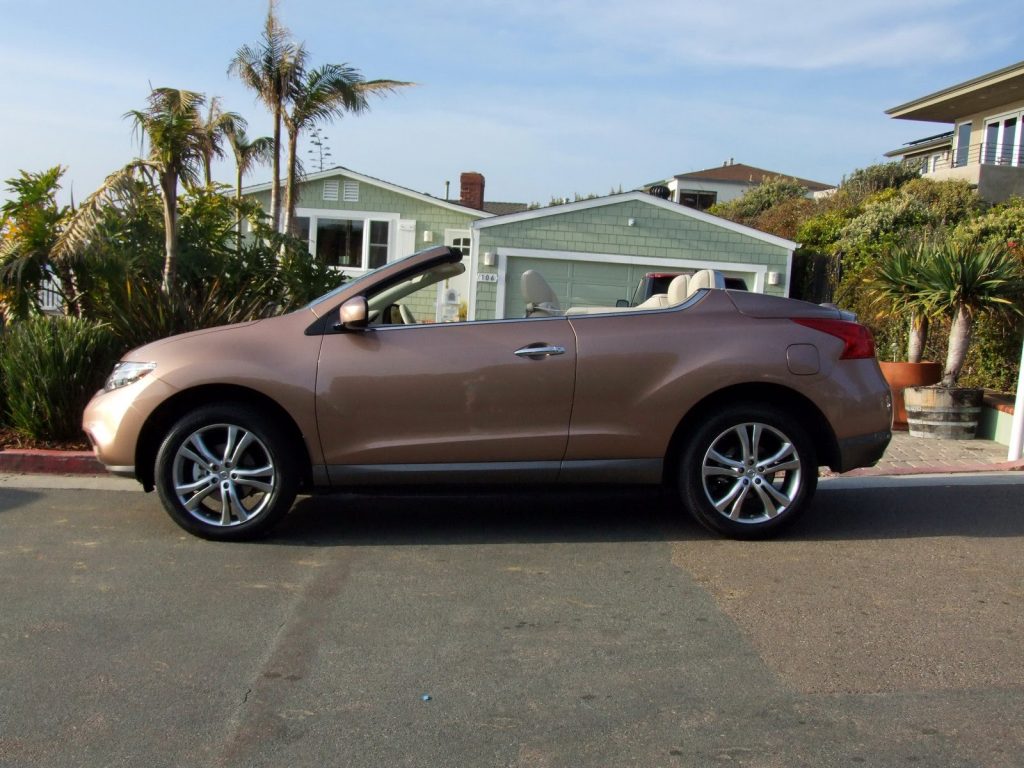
column 759, row 271
column 393, row 220
column 640, row 197
column 474, row 249
column 499, row 299
column 375, row 183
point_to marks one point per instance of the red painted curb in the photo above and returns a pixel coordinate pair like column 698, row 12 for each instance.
column 38, row 462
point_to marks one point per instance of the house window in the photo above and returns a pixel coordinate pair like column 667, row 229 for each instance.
column 344, row 242
column 1002, row 140
column 963, row 145
column 692, row 198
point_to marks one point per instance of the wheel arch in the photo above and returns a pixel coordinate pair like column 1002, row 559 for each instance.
column 811, row 418
column 164, row 417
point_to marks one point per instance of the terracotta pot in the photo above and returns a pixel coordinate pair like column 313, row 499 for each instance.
column 899, row 376
column 943, row 412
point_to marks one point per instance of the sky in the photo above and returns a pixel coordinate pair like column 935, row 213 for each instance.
column 543, row 97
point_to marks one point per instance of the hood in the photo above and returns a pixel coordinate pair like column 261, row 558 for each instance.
column 140, row 353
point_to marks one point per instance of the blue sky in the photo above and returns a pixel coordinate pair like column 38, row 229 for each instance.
column 543, row 98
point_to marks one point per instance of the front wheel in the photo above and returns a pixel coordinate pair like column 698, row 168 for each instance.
column 225, row 472
column 748, row 472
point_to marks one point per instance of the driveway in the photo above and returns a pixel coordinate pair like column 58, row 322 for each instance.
column 546, row 629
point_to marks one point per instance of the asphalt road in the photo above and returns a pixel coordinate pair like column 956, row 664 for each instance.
column 547, row 630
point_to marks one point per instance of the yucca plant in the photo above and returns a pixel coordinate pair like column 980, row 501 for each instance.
column 51, row 366
column 963, row 280
column 895, row 284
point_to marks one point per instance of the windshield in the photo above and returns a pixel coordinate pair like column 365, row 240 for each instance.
column 355, row 281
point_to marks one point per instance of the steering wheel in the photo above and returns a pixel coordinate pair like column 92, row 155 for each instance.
column 407, row 316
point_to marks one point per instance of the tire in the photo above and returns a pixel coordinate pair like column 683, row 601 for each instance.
column 748, row 472
column 226, row 472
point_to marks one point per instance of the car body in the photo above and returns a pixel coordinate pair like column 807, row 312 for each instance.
column 733, row 398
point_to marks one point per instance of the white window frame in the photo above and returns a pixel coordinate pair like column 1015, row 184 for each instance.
column 1000, row 120
column 314, row 214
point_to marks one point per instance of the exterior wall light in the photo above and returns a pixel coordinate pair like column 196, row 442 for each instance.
column 631, row 222
column 490, row 258
column 428, row 236
column 774, row 278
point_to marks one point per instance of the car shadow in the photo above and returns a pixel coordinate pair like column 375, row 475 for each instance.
column 612, row 515
column 12, row 498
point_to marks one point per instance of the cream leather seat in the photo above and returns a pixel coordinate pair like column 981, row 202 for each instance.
column 700, row 280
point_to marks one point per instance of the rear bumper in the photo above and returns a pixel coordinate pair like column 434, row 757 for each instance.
column 862, row 450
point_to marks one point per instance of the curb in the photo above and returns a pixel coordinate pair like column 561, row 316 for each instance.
column 41, row 462
column 937, row 469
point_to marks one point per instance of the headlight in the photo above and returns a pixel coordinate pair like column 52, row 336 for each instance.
column 126, row 373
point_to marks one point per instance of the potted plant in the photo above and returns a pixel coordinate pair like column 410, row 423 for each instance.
column 895, row 283
column 960, row 279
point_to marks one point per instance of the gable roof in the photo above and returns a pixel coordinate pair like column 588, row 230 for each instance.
column 988, row 91
column 641, row 197
column 361, row 177
column 742, row 173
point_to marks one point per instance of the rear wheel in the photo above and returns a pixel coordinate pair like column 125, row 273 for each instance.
column 748, row 472
column 225, row 472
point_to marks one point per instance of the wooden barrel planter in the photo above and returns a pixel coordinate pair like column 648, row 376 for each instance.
column 899, row 376
column 941, row 412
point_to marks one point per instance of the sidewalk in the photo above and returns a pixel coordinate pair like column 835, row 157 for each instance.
column 906, row 455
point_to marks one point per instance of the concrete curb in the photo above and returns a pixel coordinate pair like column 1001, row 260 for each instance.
column 936, row 469
column 40, row 462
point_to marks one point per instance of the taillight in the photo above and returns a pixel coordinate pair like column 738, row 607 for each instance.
column 857, row 341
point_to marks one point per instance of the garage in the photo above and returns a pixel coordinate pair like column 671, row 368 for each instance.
column 594, row 252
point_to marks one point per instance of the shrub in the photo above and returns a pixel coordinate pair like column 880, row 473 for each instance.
column 51, row 367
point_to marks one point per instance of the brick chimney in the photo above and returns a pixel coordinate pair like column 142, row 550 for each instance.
column 471, row 193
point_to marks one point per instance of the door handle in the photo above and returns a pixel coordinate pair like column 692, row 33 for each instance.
column 536, row 352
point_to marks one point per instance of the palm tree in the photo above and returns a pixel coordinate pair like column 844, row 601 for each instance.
column 173, row 126
column 213, row 129
column 267, row 68
column 964, row 279
column 247, row 155
column 895, row 283
column 30, row 224
column 316, row 96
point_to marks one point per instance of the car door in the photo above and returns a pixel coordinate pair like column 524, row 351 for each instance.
column 495, row 393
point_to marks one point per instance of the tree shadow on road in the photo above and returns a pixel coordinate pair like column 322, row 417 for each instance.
column 614, row 515
column 12, row 498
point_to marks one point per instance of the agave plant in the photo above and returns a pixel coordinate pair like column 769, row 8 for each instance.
column 964, row 280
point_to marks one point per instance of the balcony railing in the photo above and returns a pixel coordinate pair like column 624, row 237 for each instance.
column 976, row 154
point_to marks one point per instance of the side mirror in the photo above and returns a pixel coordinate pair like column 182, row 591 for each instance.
column 353, row 314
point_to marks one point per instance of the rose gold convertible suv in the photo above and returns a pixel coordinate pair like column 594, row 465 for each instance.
column 731, row 398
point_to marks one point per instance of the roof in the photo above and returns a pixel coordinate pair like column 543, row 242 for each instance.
column 500, row 209
column 341, row 171
column 742, row 173
column 988, row 91
column 643, row 197
column 938, row 141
